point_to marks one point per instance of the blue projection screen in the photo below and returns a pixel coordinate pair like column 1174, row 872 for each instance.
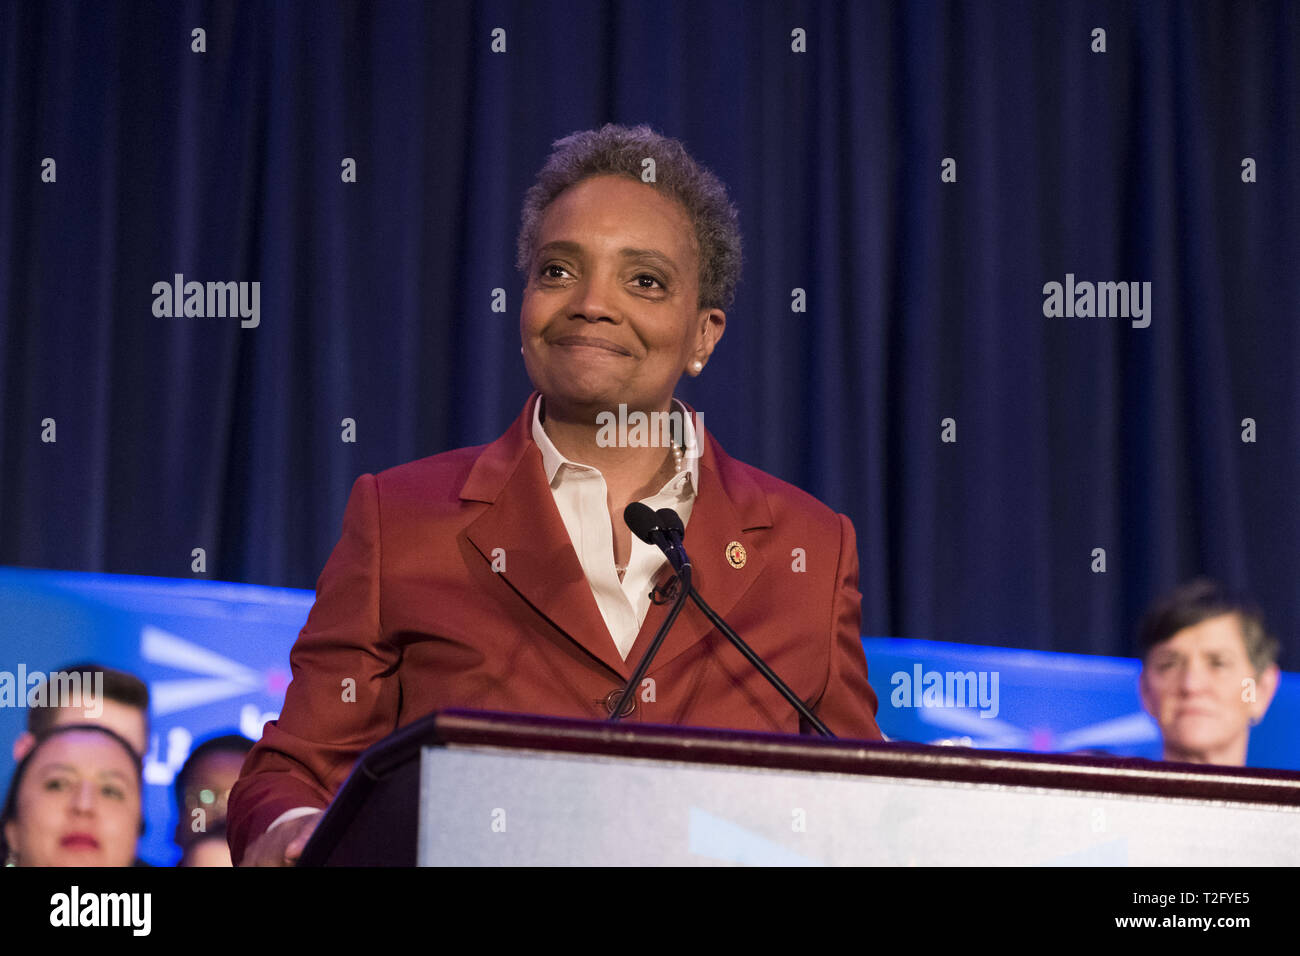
column 216, row 658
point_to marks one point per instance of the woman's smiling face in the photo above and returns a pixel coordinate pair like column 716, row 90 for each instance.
column 611, row 311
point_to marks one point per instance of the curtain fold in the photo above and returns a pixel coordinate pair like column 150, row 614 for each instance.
column 924, row 298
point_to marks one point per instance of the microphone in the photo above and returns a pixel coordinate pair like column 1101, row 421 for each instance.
column 671, row 522
column 648, row 526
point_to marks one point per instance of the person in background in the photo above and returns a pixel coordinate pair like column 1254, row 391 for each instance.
column 125, row 709
column 74, row 800
column 202, row 787
column 1209, row 672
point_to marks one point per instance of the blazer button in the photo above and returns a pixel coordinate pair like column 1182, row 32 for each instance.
column 611, row 701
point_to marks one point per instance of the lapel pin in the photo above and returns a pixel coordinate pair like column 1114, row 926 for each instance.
column 736, row 555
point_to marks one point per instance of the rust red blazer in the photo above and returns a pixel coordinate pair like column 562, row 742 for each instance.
column 410, row 617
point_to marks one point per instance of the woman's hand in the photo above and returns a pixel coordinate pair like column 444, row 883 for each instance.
column 283, row 845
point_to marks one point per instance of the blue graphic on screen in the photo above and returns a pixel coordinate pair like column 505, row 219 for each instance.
column 1040, row 702
column 216, row 658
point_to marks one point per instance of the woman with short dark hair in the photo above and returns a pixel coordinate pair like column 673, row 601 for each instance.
column 1209, row 672
column 504, row 577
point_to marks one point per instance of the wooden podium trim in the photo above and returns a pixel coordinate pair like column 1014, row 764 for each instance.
column 1120, row 775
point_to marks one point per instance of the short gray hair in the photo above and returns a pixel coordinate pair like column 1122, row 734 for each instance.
column 620, row 150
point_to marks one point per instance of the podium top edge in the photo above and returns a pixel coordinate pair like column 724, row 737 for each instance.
column 1131, row 776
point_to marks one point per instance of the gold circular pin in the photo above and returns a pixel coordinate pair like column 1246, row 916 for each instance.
column 736, row 555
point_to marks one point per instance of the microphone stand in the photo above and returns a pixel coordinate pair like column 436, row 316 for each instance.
column 759, row 664
column 684, row 574
column 669, row 526
column 664, row 529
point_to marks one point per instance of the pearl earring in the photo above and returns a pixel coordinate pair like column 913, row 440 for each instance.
column 697, row 366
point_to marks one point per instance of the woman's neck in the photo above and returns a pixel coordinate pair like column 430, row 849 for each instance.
column 1232, row 753
column 631, row 471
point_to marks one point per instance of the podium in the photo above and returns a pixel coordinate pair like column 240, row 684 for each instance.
column 467, row 788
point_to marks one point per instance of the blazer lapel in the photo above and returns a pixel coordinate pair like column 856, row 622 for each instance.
column 524, row 523
column 542, row 567
column 729, row 505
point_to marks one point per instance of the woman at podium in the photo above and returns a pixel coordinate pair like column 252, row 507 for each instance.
column 504, row 578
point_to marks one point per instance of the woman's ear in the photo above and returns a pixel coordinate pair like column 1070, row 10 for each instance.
column 713, row 322
column 1265, row 687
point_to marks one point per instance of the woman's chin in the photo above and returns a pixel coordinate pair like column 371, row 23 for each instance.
column 79, row 857
column 1201, row 739
column 590, row 395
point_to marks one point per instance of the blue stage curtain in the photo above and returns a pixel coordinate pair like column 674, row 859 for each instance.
column 924, row 298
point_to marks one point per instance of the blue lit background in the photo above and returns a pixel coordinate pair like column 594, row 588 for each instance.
column 216, row 657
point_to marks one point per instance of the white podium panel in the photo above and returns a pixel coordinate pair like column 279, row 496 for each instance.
column 492, row 806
